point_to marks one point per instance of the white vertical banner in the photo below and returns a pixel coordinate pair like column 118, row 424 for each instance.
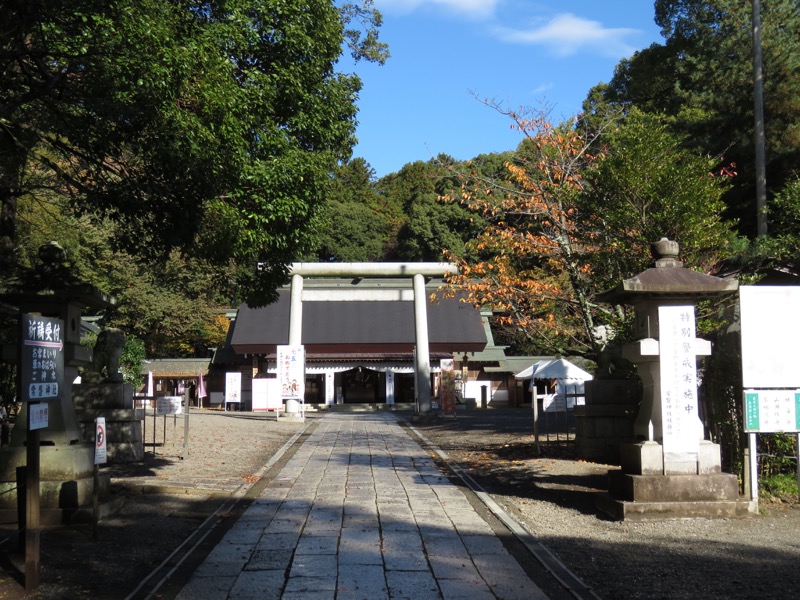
column 389, row 387
column 292, row 371
column 330, row 391
column 233, row 387
column 678, row 365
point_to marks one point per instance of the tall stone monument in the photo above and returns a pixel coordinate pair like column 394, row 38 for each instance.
column 670, row 470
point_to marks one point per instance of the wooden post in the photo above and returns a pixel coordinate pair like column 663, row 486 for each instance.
column 798, row 466
column 95, row 499
column 753, row 466
column 32, row 510
column 186, row 423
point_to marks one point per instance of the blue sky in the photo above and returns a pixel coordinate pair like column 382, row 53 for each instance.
column 516, row 52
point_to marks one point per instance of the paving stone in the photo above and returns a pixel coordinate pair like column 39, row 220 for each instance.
column 453, row 567
column 263, row 560
column 465, row 589
column 360, row 512
column 258, row 585
column 286, row 525
column 318, row 543
column 313, row 565
column 484, row 544
column 213, row 587
column 311, row 587
column 274, row 541
column 225, row 559
column 506, row 578
column 417, row 585
column 243, row 533
column 361, row 581
column 445, row 544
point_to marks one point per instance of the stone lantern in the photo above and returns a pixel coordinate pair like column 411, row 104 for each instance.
column 67, row 463
column 669, row 470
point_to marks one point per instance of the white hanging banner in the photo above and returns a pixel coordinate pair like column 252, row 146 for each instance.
column 389, row 387
column 292, row 371
column 233, row 387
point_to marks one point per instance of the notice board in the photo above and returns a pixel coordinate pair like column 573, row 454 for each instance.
column 770, row 336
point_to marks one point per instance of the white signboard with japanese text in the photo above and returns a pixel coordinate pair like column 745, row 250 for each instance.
column 554, row 403
column 678, row 369
column 770, row 334
column 292, row 371
column 169, row 405
column 772, row 411
column 38, row 415
column 42, row 367
column 233, row 387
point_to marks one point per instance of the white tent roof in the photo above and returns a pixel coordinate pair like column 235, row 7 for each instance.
column 559, row 368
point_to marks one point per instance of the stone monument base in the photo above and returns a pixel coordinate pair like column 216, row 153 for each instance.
column 114, row 402
column 66, row 483
column 655, row 486
column 606, row 420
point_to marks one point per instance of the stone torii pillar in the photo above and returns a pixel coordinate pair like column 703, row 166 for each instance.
column 416, row 271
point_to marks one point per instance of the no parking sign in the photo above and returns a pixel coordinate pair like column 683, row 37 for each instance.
column 100, row 441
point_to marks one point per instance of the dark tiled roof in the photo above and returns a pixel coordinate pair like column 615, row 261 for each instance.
column 358, row 327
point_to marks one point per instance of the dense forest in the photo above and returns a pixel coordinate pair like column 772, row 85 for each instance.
column 183, row 195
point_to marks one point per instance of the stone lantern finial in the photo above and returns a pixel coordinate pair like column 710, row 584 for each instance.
column 666, row 251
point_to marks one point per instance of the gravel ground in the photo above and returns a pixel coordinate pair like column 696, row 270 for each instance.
column 553, row 497
column 171, row 493
column 160, row 501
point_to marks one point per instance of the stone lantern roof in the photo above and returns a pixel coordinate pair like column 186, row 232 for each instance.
column 667, row 279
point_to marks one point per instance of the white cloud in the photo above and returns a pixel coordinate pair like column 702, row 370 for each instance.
column 479, row 9
column 566, row 35
column 542, row 89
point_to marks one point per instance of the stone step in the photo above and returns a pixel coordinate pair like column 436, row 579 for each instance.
column 673, row 488
column 369, row 407
column 623, row 510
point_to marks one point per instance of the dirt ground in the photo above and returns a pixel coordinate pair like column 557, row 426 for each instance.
column 156, row 505
column 552, row 495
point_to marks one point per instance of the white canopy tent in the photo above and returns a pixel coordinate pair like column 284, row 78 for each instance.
column 558, row 368
column 569, row 389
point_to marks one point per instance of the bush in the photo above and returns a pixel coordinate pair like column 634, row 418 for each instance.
column 779, row 488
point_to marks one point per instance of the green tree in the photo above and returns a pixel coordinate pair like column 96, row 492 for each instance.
column 171, row 306
column 429, row 227
column 649, row 186
column 209, row 126
column 577, row 213
column 355, row 224
column 702, row 78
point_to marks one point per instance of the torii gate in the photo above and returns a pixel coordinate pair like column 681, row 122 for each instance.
column 417, row 271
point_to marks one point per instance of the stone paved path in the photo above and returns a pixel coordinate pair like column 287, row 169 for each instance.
column 360, row 512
